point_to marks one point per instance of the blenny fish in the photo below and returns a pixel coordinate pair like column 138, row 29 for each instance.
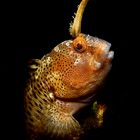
column 63, row 82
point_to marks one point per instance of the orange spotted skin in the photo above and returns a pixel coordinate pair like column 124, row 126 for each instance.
column 76, row 68
column 70, row 73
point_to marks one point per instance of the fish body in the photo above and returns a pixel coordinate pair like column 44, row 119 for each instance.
column 65, row 81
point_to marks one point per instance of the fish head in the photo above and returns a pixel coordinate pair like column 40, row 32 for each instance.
column 80, row 65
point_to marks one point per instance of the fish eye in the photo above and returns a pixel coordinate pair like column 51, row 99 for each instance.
column 79, row 47
column 79, row 44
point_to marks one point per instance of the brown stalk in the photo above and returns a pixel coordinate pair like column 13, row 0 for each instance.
column 75, row 27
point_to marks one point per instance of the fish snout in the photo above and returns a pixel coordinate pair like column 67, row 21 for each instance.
column 102, row 54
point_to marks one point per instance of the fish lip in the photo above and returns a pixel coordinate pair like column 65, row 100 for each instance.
column 106, row 56
column 106, row 49
column 107, row 52
column 110, row 54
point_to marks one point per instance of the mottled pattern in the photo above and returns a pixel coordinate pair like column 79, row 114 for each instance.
column 65, row 77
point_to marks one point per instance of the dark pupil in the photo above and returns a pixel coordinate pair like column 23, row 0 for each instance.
column 79, row 46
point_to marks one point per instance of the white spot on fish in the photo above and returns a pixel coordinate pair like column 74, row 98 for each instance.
column 77, row 61
column 56, row 75
column 97, row 64
column 68, row 44
column 48, row 60
column 56, row 49
column 51, row 96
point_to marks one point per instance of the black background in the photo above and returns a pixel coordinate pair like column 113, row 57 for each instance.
column 32, row 29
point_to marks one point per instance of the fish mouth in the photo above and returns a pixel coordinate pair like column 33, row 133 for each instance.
column 107, row 52
column 101, row 50
column 102, row 53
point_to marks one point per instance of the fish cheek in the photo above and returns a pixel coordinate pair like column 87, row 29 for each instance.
column 77, row 78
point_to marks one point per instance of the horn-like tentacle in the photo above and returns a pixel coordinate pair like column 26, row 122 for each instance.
column 75, row 27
